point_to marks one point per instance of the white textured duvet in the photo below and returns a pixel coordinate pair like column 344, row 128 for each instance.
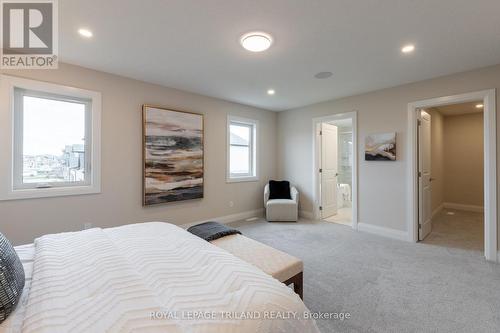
column 152, row 277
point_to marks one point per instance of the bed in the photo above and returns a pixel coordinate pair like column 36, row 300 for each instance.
column 148, row 277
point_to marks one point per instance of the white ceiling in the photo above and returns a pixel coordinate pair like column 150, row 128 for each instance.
column 193, row 45
column 459, row 109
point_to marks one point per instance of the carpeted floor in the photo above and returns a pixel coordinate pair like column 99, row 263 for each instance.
column 388, row 285
column 458, row 229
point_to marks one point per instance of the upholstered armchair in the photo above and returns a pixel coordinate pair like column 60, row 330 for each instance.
column 281, row 210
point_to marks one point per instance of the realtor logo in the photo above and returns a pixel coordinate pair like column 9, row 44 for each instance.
column 29, row 34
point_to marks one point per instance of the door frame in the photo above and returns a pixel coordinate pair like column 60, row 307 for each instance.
column 316, row 162
column 490, row 163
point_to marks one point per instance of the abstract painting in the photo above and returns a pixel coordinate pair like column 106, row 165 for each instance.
column 173, row 155
column 380, row 147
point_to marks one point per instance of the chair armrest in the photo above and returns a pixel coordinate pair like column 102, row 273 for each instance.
column 266, row 195
column 294, row 194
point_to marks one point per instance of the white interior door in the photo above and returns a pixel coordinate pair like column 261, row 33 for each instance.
column 425, row 181
column 329, row 170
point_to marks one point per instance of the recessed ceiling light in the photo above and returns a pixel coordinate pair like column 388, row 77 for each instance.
column 479, row 106
column 256, row 41
column 408, row 48
column 271, row 92
column 323, row 75
column 85, row 33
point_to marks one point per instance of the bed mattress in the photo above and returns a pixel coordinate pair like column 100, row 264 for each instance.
column 148, row 277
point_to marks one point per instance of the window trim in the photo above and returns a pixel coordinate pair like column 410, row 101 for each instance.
column 8, row 190
column 253, row 151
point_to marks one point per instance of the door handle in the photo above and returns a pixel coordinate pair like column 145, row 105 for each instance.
column 432, row 179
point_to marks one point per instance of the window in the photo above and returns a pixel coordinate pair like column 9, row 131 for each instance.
column 242, row 149
column 51, row 140
column 55, row 140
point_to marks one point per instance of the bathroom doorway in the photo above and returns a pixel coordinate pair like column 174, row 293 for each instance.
column 335, row 168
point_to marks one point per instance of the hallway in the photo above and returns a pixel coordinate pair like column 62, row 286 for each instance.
column 457, row 229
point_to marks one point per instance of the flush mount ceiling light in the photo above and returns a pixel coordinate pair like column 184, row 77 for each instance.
column 323, row 75
column 408, row 48
column 479, row 106
column 85, row 33
column 256, row 41
column 271, row 92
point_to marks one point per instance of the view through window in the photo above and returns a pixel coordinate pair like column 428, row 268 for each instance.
column 53, row 140
column 240, row 149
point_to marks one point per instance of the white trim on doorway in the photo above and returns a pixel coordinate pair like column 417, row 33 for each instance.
column 316, row 155
column 490, row 164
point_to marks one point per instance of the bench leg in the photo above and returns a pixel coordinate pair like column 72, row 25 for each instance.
column 298, row 287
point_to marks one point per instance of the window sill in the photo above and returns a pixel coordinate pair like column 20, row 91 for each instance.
column 50, row 192
column 242, row 179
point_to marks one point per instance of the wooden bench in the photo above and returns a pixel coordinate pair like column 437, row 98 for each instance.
column 280, row 265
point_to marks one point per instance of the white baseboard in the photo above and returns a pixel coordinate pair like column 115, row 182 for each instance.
column 383, row 231
column 306, row 214
column 229, row 218
column 437, row 210
column 469, row 208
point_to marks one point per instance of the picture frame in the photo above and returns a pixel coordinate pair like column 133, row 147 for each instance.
column 173, row 155
column 380, row 147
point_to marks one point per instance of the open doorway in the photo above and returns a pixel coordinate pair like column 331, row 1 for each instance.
column 335, row 165
column 453, row 172
column 451, row 182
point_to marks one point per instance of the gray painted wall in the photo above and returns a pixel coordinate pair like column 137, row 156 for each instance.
column 382, row 185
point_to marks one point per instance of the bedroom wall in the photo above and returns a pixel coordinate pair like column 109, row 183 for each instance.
column 464, row 159
column 121, row 199
column 382, row 186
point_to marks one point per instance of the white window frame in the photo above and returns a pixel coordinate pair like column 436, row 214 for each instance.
column 253, row 175
column 11, row 186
